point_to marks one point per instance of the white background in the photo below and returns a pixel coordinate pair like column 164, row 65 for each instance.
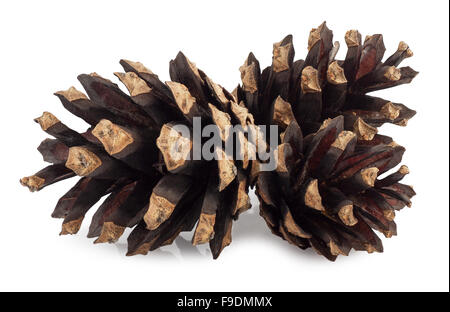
column 45, row 45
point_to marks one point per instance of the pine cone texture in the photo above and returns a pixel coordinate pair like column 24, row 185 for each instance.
column 325, row 193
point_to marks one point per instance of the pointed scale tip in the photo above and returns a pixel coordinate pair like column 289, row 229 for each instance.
column 71, row 94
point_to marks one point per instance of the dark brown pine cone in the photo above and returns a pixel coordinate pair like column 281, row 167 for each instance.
column 325, row 192
column 127, row 154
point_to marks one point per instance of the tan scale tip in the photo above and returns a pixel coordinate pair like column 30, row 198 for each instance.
column 403, row 122
column 72, row 94
column 335, row 74
column 346, row 215
column 369, row 176
column 402, row 47
column 352, row 38
column 174, row 147
column 110, row 233
column 34, row 183
column 282, row 113
column 227, row 168
column 388, row 234
column 113, row 137
column 363, row 130
column 335, row 250
column 280, row 59
column 314, row 35
column 47, row 120
column 248, row 78
column 94, row 74
column 367, row 38
column 222, row 121
column 139, row 67
column 370, row 249
column 393, row 73
column 325, row 124
column 204, row 231
column 159, row 210
column 82, row 161
column 310, row 80
column 183, row 97
column 312, row 196
column 403, row 170
column 389, row 215
column 71, row 227
column 133, row 83
column 393, row 144
column 390, row 111
column 343, row 139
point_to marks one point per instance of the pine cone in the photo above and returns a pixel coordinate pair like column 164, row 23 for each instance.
column 128, row 153
column 325, row 192
column 322, row 87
